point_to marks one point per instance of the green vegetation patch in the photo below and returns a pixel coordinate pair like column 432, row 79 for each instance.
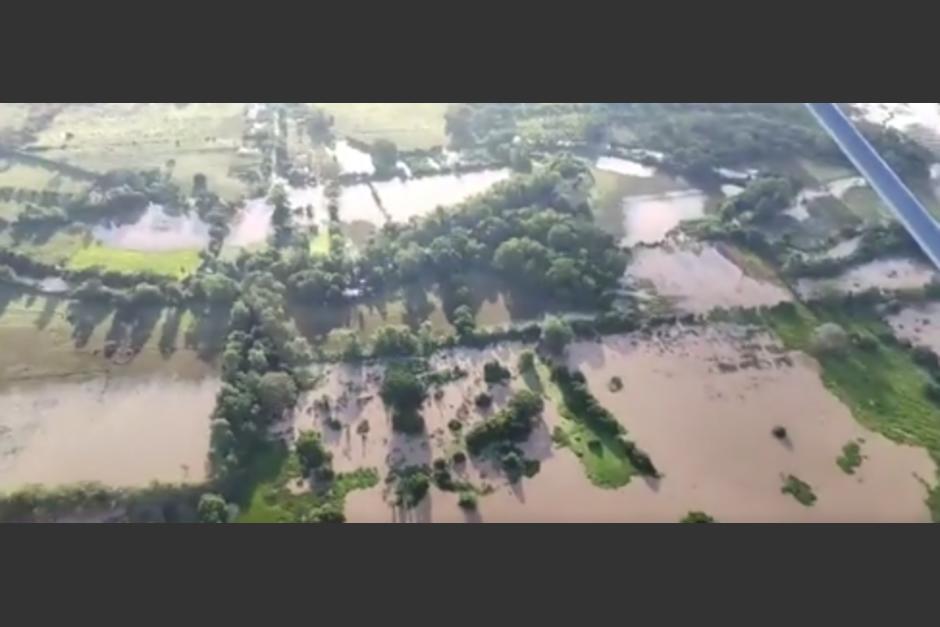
column 267, row 496
column 603, row 454
column 697, row 517
column 875, row 376
column 799, row 489
column 866, row 204
column 320, row 244
column 178, row 263
column 851, row 458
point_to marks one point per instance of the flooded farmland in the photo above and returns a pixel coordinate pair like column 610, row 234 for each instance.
column 919, row 324
column 708, row 429
column 156, row 230
column 889, row 274
column 375, row 204
column 647, row 219
column 701, row 278
column 404, row 199
column 121, row 431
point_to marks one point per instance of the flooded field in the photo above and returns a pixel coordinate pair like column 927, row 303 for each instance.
column 889, row 274
column 400, row 200
column 624, row 166
column 647, row 219
column 353, row 390
column 120, row 431
column 708, row 429
column 699, row 279
column 156, row 230
column 920, row 325
column 404, row 199
column 352, row 160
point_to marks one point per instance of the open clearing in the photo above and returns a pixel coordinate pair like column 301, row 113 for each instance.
column 410, row 125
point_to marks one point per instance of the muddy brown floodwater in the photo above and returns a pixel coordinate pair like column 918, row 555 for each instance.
column 891, row 274
column 126, row 431
column 698, row 279
column 919, row 324
column 708, row 429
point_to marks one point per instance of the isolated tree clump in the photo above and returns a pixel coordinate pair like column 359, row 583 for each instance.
column 212, row 508
column 494, row 372
column 556, row 335
column 829, row 338
column 404, row 393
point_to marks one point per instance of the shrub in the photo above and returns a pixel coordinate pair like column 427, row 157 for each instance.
column 779, row 432
column 455, row 425
column 412, row 486
column 512, row 465
column 467, row 500
column 512, row 424
column 310, row 451
column 483, row 400
column 932, row 392
column 829, row 338
column 697, row 517
column 615, row 384
column 494, row 372
column 459, row 457
column 799, row 489
column 526, row 361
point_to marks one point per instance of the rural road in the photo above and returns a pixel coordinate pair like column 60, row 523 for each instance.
column 905, row 206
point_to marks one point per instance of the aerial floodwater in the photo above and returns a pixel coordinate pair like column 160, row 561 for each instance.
column 469, row 312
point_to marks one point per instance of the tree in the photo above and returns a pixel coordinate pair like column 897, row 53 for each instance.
column 200, row 184
column 526, row 361
column 556, row 335
column 565, row 277
column 384, row 157
column 410, row 261
column 352, row 346
column 402, row 389
column 212, row 509
column 458, row 124
column 494, row 372
column 522, row 258
column 146, row 294
column 405, row 394
column 463, row 320
column 320, row 125
column 697, row 517
column 829, row 338
column 218, row 288
column 277, row 393
column 394, row 341
column 311, row 452
column 520, row 161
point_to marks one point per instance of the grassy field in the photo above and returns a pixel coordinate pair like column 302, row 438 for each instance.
column 58, row 248
column 411, row 125
column 824, row 172
column 884, row 388
column 200, row 137
column 120, row 124
column 320, row 245
column 602, row 456
column 177, row 263
column 866, row 204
